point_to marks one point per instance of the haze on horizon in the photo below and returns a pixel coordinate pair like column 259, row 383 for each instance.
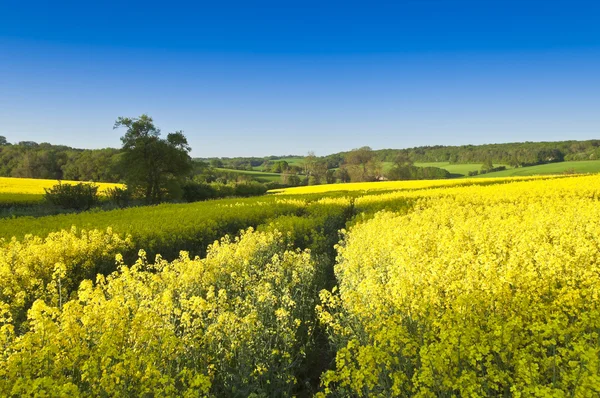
column 273, row 78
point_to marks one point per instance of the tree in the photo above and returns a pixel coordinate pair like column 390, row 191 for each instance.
column 153, row 166
column 402, row 159
column 342, row 174
column 487, row 165
column 362, row 165
column 309, row 163
column 3, row 141
column 280, row 166
column 402, row 168
column 330, row 176
column 216, row 163
column 28, row 144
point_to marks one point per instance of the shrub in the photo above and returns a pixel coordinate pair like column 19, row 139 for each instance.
column 80, row 196
column 250, row 189
column 120, row 197
column 197, row 191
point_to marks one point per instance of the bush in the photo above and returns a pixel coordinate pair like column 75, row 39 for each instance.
column 250, row 189
column 80, row 196
column 223, row 190
column 197, row 191
column 120, row 197
column 417, row 173
column 274, row 185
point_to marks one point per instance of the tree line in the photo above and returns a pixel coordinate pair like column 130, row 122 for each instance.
column 172, row 167
column 516, row 154
column 153, row 168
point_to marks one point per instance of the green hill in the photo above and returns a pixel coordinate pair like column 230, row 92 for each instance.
column 259, row 176
column 583, row 166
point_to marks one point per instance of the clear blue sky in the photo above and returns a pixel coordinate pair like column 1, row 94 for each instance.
column 281, row 77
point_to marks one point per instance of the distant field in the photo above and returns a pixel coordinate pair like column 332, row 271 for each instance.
column 8, row 200
column 257, row 175
column 585, row 166
column 398, row 185
column 35, row 186
column 294, row 161
column 457, row 170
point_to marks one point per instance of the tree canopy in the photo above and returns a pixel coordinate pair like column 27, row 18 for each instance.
column 153, row 167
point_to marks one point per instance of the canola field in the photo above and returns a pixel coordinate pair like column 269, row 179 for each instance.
column 23, row 192
column 33, row 186
column 425, row 289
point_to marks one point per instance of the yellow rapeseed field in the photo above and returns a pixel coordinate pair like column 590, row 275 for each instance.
column 447, row 290
column 399, row 185
column 36, row 186
column 478, row 291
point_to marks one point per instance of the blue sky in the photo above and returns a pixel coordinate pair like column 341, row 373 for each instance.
column 283, row 77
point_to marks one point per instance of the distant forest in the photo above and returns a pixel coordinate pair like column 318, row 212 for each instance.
column 513, row 154
column 28, row 159
column 44, row 160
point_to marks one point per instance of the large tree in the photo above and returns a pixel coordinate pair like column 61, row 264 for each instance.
column 362, row 165
column 153, row 166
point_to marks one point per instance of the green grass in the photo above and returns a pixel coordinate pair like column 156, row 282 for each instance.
column 584, row 166
column 256, row 175
column 457, row 170
column 292, row 161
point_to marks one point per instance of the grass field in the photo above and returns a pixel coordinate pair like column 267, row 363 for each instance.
column 585, row 166
column 292, row 161
column 462, row 170
column 457, row 170
column 257, row 175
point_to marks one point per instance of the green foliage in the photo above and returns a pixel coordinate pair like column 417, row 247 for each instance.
column 120, row 197
column 153, row 166
column 197, row 191
column 73, row 196
column 515, row 154
column 408, row 172
column 59, row 162
column 581, row 166
column 362, row 165
column 166, row 228
column 487, row 165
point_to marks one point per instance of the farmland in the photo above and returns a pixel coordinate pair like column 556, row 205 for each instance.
column 26, row 195
column 292, row 161
column 36, row 186
column 584, row 166
column 456, row 170
column 259, row 176
column 430, row 276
